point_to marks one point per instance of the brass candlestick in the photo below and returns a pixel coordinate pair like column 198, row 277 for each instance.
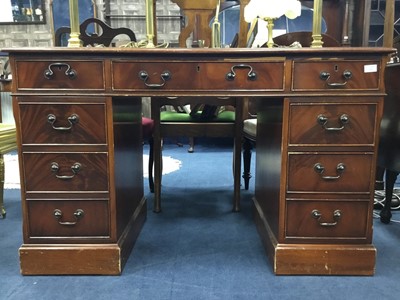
column 74, row 37
column 317, row 24
column 150, row 24
column 216, row 30
column 270, row 26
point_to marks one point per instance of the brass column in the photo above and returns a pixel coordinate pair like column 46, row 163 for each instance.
column 389, row 24
column 74, row 40
column 317, row 23
column 150, row 23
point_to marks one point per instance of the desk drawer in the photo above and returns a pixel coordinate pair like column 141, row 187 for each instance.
column 334, row 123
column 60, row 74
column 336, row 75
column 56, row 123
column 68, row 172
column 197, row 75
column 330, row 172
column 75, row 218
column 318, row 220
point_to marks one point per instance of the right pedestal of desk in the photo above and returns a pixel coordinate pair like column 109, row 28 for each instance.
column 315, row 167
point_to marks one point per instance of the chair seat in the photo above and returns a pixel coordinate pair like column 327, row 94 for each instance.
column 6, row 128
column 172, row 116
column 8, row 140
column 250, row 127
column 8, row 147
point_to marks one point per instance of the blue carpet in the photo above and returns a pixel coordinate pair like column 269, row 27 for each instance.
column 197, row 249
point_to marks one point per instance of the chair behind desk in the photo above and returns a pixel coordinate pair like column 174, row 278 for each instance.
column 226, row 124
column 8, row 142
column 304, row 38
column 389, row 143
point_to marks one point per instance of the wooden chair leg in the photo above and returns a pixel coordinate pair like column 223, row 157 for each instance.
column 191, row 145
column 157, row 152
column 379, row 182
column 237, row 172
column 151, row 163
column 247, row 148
column 390, row 180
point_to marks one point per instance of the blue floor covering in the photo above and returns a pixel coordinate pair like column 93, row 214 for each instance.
column 198, row 249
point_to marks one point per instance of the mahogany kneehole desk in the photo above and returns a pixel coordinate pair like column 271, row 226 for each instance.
column 319, row 112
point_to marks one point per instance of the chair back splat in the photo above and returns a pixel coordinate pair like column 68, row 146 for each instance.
column 105, row 36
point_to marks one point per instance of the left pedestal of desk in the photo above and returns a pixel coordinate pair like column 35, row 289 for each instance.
column 81, row 171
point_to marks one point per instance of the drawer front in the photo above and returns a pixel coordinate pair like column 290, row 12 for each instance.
column 58, row 75
column 55, row 123
column 317, row 220
column 335, row 123
column 330, row 172
column 68, row 172
column 75, row 218
column 334, row 75
column 197, row 75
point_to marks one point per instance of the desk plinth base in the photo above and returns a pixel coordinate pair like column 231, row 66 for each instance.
column 315, row 259
column 82, row 259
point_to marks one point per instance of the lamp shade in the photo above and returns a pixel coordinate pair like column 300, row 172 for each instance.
column 271, row 9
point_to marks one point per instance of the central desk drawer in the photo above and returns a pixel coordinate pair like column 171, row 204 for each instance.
column 68, row 172
column 198, row 75
column 329, row 172
column 56, row 123
column 60, row 74
column 75, row 218
column 334, row 75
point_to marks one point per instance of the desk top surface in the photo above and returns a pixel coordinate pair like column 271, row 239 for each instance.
column 204, row 52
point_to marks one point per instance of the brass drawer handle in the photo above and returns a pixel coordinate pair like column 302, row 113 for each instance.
column 337, row 214
column 76, row 167
column 166, row 75
column 70, row 73
column 251, row 75
column 320, row 169
column 78, row 214
column 323, row 120
column 73, row 119
column 326, row 76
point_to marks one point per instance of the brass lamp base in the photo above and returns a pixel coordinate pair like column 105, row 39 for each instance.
column 317, row 24
column 74, row 40
column 317, row 41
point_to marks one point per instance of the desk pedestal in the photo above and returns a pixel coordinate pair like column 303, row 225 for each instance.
column 87, row 259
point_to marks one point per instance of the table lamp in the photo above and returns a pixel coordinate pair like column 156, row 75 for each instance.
column 270, row 10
